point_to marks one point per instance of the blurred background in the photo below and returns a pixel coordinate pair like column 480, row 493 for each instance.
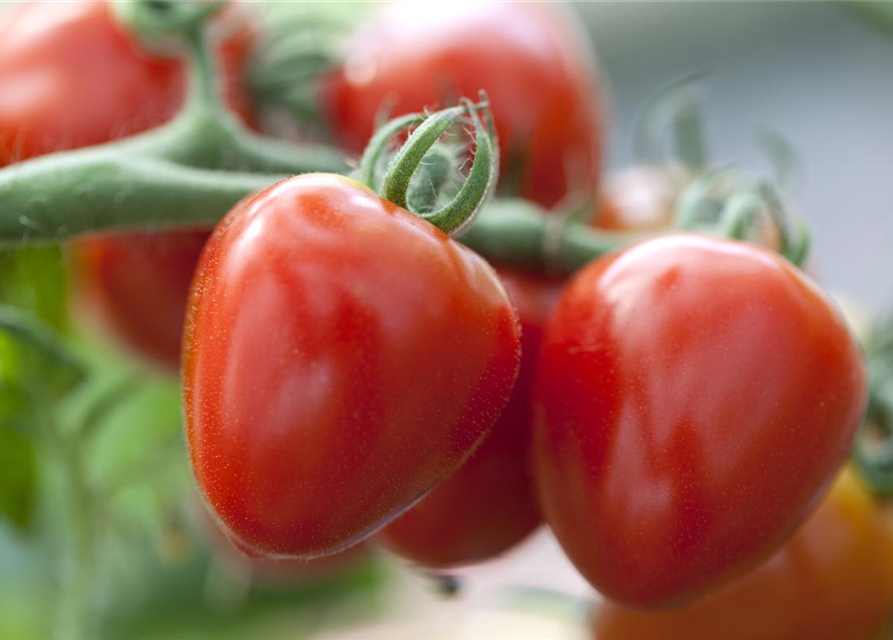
column 818, row 72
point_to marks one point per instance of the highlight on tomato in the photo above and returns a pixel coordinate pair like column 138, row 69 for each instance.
column 694, row 398
column 489, row 505
column 325, row 326
column 832, row 579
column 540, row 75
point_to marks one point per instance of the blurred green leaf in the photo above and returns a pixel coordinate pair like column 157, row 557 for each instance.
column 34, row 360
column 18, row 479
column 34, row 278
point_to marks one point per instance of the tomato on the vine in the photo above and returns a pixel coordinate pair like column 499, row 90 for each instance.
column 72, row 78
column 342, row 357
column 489, row 505
column 539, row 75
column 833, row 579
column 694, row 398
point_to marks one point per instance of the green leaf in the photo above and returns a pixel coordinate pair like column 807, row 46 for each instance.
column 34, row 278
column 18, row 479
column 34, row 359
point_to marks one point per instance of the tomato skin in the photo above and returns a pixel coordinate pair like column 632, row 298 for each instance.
column 136, row 287
column 342, row 357
column 489, row 505
column 75, row 78
column 539, row 76
column 694, row 398
column 833, row 579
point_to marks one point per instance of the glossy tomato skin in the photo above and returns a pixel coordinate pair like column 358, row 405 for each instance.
column 540, row 78
column 136, row 286
column 833, row 579
column 342, row 357
column 489, row 505
column 73, row 77
column 694, row 398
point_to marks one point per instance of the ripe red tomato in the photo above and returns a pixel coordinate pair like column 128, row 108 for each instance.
column 73, row 78
column 490, row 504
column 342, row 357
column 833, row 579
column 539, row 75
column 694, row 398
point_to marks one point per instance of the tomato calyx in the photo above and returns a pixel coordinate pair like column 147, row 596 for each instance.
column 421, row 169
column 725, row 202
column 156, row 18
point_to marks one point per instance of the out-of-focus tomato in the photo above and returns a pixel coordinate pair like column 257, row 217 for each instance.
column 490, row 504
column 539, row 75
column 136, row 287
column 72, row 77
column 640, row 198
column 832, row 580
column 342, row 358
column 694, row 398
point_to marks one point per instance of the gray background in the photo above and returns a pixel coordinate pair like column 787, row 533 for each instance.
column 820, row 73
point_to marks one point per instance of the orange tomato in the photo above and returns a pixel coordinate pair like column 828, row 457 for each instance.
column 833, row 580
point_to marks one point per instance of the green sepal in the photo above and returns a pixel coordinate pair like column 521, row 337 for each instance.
column 35, row 359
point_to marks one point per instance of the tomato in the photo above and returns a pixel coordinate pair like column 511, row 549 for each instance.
column 490, row 504
column 342, row 357
column 833, row 579
column 640, row 198
column 540, row 78
column 73, row 78
column 136, row 286
column 693, row 400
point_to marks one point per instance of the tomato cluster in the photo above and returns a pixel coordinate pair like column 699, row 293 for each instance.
column 673, row 411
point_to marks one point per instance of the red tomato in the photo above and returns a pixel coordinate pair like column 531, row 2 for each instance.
column 136, row 286
column 490, row 504
column 71, row 78
column 539, row 75
column 694, row 398
column 342, row 357
column 833, row 579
